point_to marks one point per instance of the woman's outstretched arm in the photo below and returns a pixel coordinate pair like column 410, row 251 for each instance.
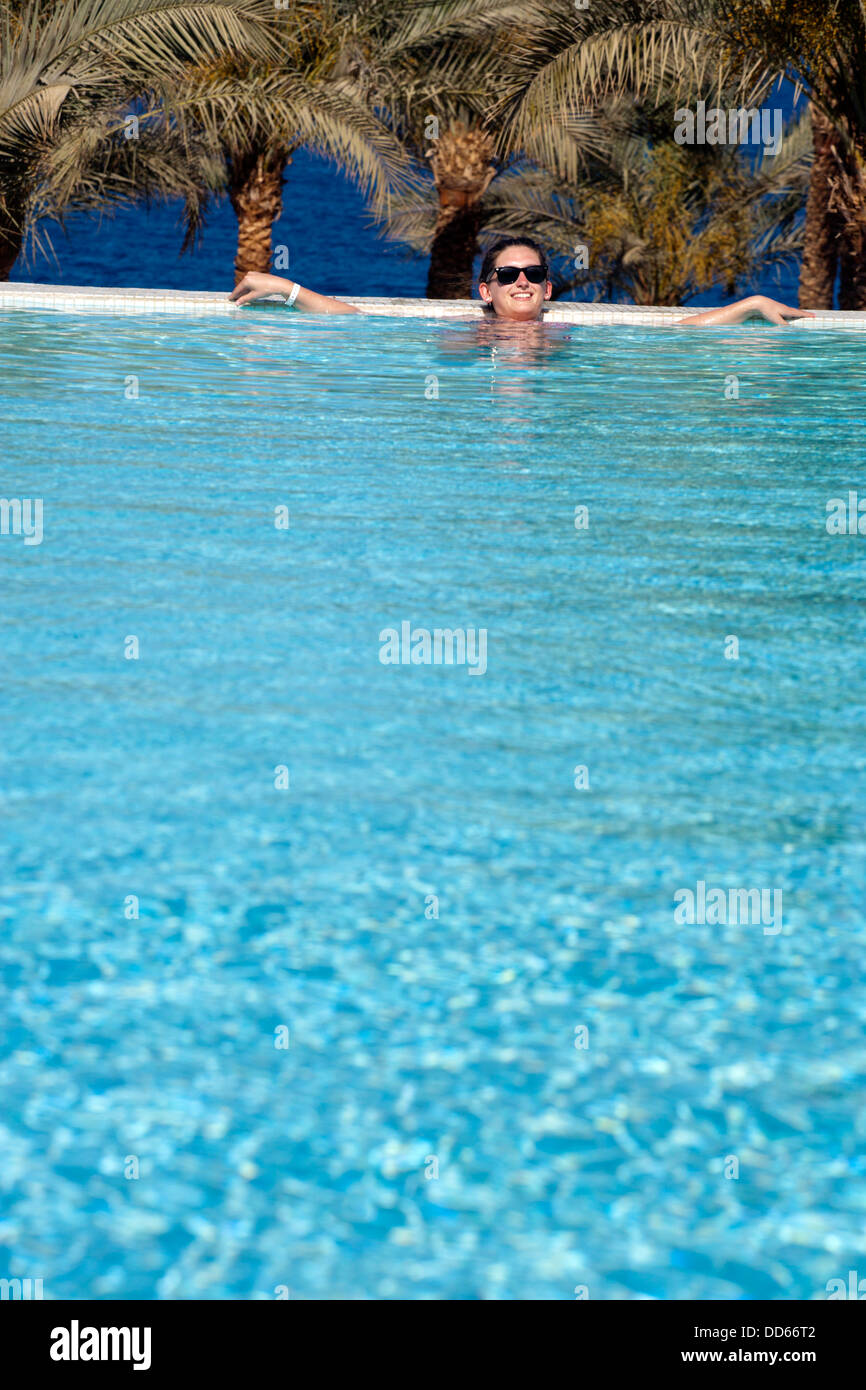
column 757, row 306
column 256, row 285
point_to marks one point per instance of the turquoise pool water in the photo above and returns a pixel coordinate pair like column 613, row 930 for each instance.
column 430, row 480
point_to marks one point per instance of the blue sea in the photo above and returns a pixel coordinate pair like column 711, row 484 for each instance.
column 325, row 234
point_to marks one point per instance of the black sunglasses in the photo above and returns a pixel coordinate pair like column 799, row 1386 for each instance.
column 508, row 274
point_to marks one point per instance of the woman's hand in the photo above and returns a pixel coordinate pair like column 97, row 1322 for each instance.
column 256, row 285
column 775, row 312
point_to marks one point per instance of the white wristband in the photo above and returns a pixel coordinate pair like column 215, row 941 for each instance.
column 296, row 289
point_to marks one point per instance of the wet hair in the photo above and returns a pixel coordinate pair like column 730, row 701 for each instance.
column 488, row 265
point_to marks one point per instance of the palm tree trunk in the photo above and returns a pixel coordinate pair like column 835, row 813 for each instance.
column 455, row 246
column 255, row 193
column 461, row 169
column 821, row 244
column 11, row 237
column 852, row 245
column 852, row 268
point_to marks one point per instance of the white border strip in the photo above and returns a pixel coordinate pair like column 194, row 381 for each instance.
column 74, row 299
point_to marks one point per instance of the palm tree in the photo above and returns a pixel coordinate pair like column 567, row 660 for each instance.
column 822, row 47
column 237, row 107
column 660, row 223
column 435, row 70
column 697, row 47
column 68, row 71
column 460, row 161
column 254, row 114
column 645, row 217
column 367, row 83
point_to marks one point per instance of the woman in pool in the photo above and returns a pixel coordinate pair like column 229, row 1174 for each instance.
column 514, row 286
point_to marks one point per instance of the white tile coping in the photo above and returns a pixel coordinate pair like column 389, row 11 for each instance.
column 95, row 299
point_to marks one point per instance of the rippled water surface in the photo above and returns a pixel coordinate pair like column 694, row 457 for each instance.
column 429, row 479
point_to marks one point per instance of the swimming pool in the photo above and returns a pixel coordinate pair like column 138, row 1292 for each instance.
column 403, row 866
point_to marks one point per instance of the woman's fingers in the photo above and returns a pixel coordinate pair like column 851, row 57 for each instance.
column 780, row 313
column 246, row 290
column 244, row 294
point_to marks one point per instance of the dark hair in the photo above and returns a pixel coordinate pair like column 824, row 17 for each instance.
column 503, row 244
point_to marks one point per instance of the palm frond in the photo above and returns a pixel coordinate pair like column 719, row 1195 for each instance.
column 268, row 108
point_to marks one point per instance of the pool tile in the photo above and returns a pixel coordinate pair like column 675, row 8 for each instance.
column 103, row 299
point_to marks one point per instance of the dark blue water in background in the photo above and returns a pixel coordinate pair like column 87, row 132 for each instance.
column 331, row 241
column 332, row 244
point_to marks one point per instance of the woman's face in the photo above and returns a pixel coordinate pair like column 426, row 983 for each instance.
column 519, row 301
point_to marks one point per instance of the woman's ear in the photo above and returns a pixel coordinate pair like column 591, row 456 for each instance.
column 548, row 290
column 484, row 291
